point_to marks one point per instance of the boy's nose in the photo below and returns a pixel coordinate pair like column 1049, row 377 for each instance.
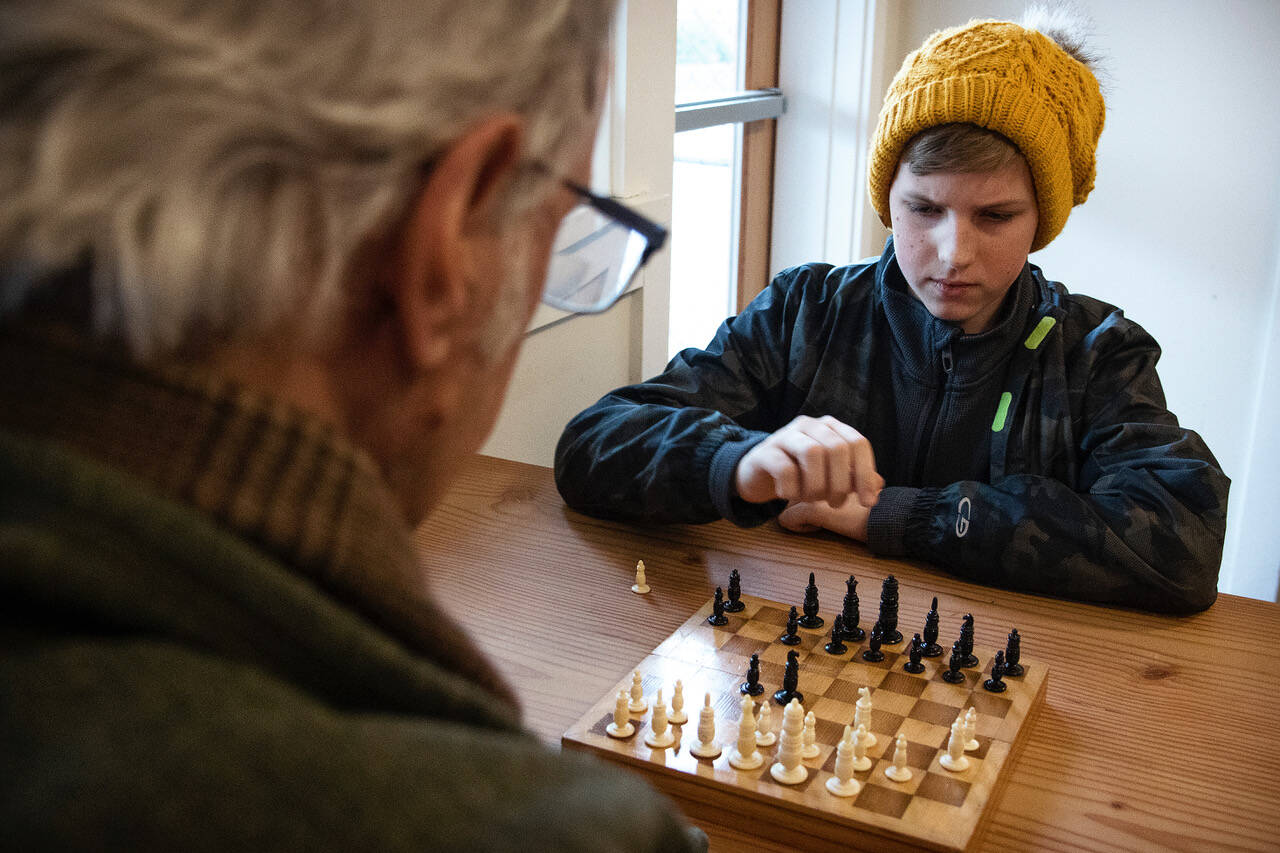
column 956, row 243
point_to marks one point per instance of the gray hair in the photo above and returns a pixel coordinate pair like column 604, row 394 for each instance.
column 222, row 163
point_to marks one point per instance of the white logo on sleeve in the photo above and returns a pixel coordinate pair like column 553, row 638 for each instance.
column 962, row 517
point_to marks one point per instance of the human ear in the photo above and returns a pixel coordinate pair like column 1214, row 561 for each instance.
column 440, row 245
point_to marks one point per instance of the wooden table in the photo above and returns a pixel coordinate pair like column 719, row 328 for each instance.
column 1156, row 732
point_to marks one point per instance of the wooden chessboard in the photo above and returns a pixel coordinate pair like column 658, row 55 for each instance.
column 936, row 809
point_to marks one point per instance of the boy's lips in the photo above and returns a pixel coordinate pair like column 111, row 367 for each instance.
column 947, row 285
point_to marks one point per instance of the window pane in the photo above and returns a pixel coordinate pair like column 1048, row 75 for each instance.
column 705, row 174
column 704, row 217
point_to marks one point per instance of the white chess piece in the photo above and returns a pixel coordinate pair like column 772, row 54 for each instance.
column 955, row 760
column 862, row 717
column 898, row 771
column 810, row 748
column 860, row 759
column 637, row 704
column 677, row 716
column 745, row 756
column 764, row 726
column 788, row 769
column 640, row 585
column 621, row 726
column 660, row 735
column 706, row 747
column 843, row 784
column 971, row 730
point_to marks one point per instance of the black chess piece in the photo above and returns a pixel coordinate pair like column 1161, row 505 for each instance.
column 837, row 646
column 889, row 612
column 811, row 619
column 717, row 616
column 873, row 653
column 734, row 604
column 967, row 657
column 792, row 636
column 752, row 686
column 995, row 684
column 1013, row 654
column 790, row 681
column 913, row 664
column 850, row 613
column 931, row 647
column 953, row 675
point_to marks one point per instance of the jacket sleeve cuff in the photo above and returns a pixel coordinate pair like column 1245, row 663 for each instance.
column 898, row 511
column 724, row 463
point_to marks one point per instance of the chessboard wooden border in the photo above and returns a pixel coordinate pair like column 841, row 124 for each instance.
column 711, row 801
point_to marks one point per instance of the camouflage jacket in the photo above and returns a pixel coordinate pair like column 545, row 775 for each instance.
column 1092, row 490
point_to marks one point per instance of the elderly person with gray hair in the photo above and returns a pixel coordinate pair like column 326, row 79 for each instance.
column 264, row 270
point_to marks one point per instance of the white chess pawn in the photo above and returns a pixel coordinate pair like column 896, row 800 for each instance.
column 787, row 769
column 640, row 585
column 860, row 759
column 706, row 747
column 971, row 730
column 898, row 771
column 810, row 748
column 862, row 717
column 764, row 726
column 955, row 760
column 745, row 756
column 621, row 726
column 843, row 784
column 677, row 716
column 660, row 735
column 637, row 704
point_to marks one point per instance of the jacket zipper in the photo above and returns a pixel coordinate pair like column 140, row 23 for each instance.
column 924, row 440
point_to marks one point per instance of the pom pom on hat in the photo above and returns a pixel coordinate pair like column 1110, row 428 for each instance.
column 1014, row 81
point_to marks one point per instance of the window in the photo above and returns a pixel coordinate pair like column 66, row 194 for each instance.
column 722, row 171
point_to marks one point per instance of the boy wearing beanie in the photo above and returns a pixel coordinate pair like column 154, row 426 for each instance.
column 945, row 401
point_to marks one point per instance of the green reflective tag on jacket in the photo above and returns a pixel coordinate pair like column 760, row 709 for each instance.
column 1002, row 411
column 1038, row 334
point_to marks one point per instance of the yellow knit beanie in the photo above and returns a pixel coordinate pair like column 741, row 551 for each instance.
column 1015, row 81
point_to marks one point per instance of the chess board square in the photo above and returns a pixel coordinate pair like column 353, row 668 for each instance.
column 770, row 673
column 828, row 731
column 860, row 672
column 771, row 616
column 991, row 704
column 945, row 694
column 743, row 646
column 917, row 731
column 936, row 713
column 885, row 723
column 762, row 631
column 919, row 755
column 812, row 683
column 894, row 703
column 843, row 691
column 766, row 777
column 904, row 683
column 775, row 653
column 882, row 800
column 943, row 789
column 823, row 664
column 826, row 708
column 601, row 726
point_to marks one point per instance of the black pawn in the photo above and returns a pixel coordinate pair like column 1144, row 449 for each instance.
column 967, row 657
column 874, row 654
column 913, row 665
column 851, row 617
column 931, row 647
column 811, row 619
column 717, row 616
column 953, row 675
column 889, row 611
column 792, row 637
column 995, row 683
column 790, row 681
column 734, row 604
column 1012, row 654
column 752, row 686
column 837, row 646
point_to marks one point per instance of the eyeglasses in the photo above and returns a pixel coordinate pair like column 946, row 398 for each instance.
column 600, row 247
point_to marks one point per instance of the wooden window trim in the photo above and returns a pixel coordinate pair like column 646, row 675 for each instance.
column 755, row 217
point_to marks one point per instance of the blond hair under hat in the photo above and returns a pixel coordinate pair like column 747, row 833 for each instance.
column 1009, row 79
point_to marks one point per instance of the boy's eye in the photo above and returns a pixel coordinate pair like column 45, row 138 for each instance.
column 924, row 209
column 997, row 216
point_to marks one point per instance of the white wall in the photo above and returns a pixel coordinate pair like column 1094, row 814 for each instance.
column 1183, row 229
